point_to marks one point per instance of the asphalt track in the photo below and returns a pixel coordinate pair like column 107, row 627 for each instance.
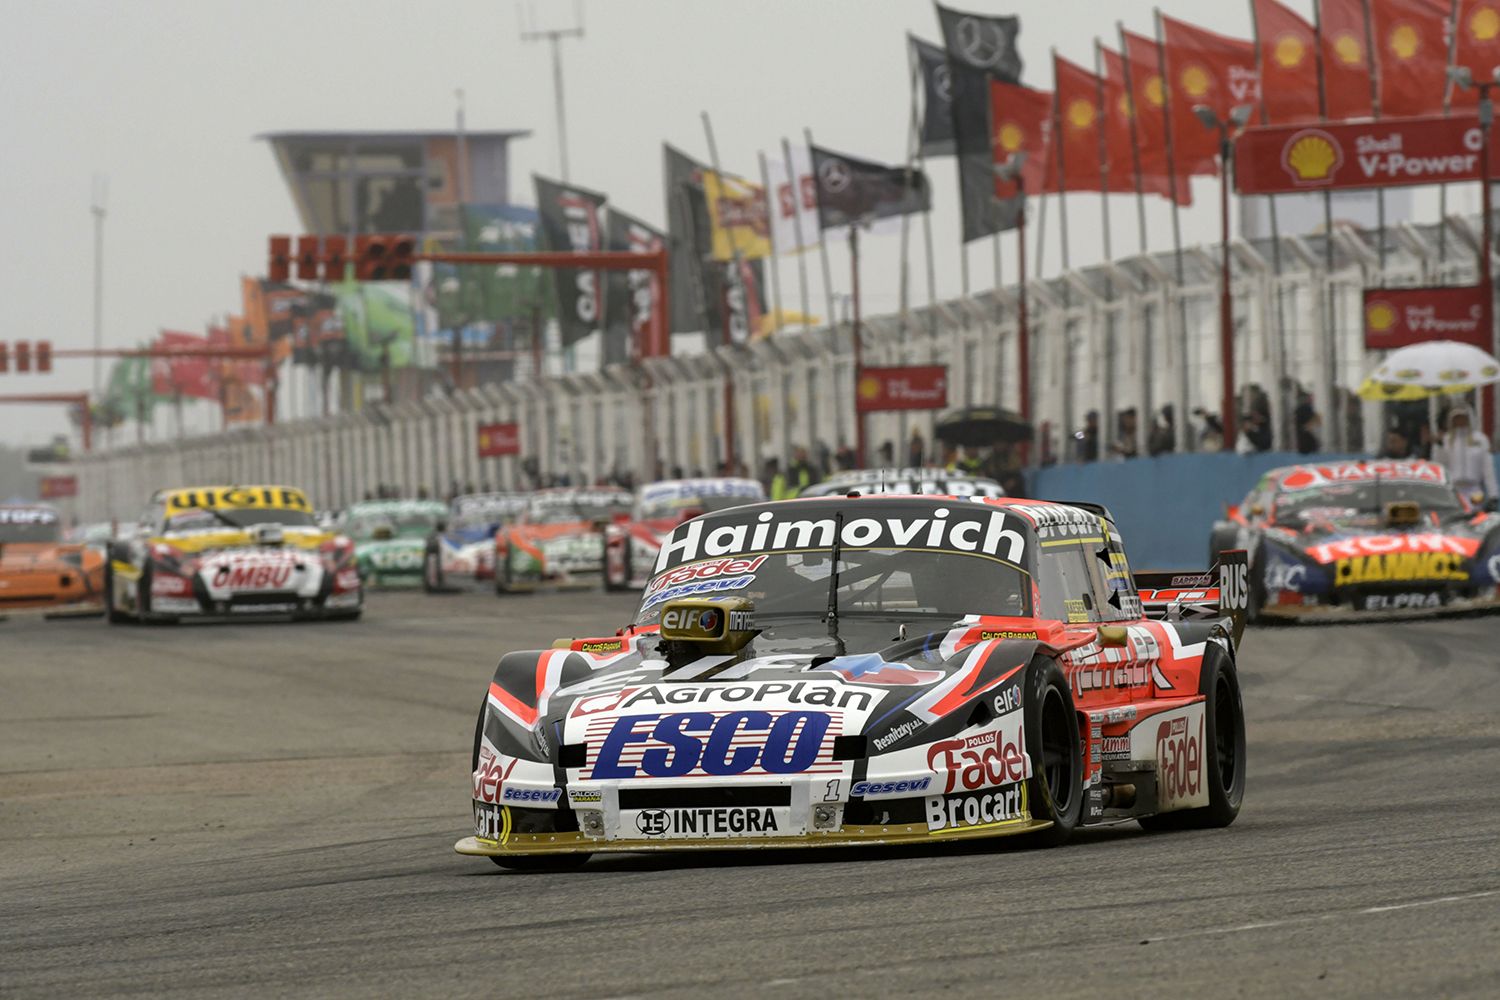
column 256, row 810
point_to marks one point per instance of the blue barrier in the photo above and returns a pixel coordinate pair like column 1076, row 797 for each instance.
column 1165, row 506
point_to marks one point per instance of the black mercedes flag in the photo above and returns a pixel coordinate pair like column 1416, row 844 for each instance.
column 631, row 294
column 854, row 191
column 979, row 47
column 572, row 218
column 937, row 97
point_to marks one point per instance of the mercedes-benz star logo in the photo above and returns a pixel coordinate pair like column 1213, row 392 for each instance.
column 834, row 175
column 942, row 82
column 980, row 42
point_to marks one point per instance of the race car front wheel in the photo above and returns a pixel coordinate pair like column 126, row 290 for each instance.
column 432, row 572
column 1224, row 749
column 115, row 615
column 1055, row 789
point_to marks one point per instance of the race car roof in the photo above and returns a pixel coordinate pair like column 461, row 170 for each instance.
column 1313, row 475
column 227, row 497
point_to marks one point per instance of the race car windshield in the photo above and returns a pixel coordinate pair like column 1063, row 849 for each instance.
column 202, row 519
column 903, row 583
column 897, row 558
column 564, row 510
column 668, row 507
column 22, row 524
column 1355, row 502
column 397, row 524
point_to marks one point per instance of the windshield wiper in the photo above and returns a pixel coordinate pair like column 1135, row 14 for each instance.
column 833, row 583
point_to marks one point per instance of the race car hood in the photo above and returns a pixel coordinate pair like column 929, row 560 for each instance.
column 539, row 534
column 39, row 557
column 603, row 700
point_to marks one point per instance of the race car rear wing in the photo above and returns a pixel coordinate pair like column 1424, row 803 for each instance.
column 1222, row 592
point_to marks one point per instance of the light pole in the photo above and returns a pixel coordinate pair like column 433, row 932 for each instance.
column 1464, row 77
column 1238, row 116
column 1010, row 172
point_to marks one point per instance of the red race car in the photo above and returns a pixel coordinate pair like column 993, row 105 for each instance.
column 630, row 547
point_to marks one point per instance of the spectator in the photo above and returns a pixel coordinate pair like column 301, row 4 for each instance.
column 886, row 454
column 1308, row 424
column 1397, row 444
column 845, row 458
column 1466, row 454
column 915, row 450
column 1126, row 430
column 1211, row 438
column 801, row 473
column 1255, row 432
column 770, row 474
column 1086, row 441
column 1163, row 437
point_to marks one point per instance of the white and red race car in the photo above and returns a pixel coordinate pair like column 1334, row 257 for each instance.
column 461, row 552
column 630, row 547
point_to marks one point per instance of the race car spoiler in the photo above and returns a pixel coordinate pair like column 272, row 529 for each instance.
column 1223, row 591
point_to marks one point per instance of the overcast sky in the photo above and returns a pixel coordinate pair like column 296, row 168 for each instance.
column 166, row 97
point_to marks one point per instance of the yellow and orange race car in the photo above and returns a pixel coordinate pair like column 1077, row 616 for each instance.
column 39, row 571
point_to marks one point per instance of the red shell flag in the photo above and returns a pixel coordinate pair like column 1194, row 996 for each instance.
column 1021, row 121
column 1078, row 120
column 1346, row 59
column 1148, row 98
column 1411, row 50
column 1288, row 65
column 1117, row 137
column 1204, row 67
column 1478, row 45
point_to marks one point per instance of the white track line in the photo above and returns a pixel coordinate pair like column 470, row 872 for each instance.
column 1334, row 915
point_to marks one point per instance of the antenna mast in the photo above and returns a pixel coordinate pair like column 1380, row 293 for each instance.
column 532, row 34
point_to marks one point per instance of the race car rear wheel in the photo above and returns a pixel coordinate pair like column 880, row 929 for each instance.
column 1055, row 789
column 503, row 574
column 1224, row 750
column 617, row 566
column 116, row 616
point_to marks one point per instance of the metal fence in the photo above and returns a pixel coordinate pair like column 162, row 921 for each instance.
column 1108, row 338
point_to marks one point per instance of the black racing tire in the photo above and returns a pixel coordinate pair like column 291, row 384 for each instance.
column 1224, row 749
column 1256, row 599
column 541, row 862
column 503, row 574
column 115, row 616
column 1222, row 538
column 432, row 572
column 1055, row 789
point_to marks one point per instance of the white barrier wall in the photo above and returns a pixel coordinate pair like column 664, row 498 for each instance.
column 1108, row 338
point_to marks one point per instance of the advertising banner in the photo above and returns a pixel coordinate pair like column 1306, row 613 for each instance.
column 1390, row 152
column 632, row 295
column 902, row 387
column 58, row 487
column 1400, row 317
column 191, row 377
column 572, row 219
column 498, row 440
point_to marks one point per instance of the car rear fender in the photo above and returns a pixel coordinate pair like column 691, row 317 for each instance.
column 1222, row 593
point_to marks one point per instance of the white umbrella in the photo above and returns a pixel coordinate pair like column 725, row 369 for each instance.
column 1430, row 369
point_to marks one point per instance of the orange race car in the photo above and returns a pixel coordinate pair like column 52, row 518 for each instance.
column 558, row 538
column 41, row 572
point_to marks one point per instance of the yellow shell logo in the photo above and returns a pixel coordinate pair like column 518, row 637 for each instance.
column 1347, row 48
column 1484, row 24
column 1453, row 375
column 1409, row 373
column 1312, row 156
column 1195, row 81
column 1125, row 107
column 1289, row 52
column 1154, row 92
column 1380, row 316
column 1080, row 113
column 869, row 387
column 1010, row 137
column 1404, row 41
column 1489, row 371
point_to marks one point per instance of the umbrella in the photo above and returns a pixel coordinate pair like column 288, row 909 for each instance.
column 980, row 426
column 1430, row 369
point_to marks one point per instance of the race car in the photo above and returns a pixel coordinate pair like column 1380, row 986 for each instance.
column 461, row 550
column 231, row 551
column 872, row 670
column 558, row 538
column 1339, row 539
column 929, row 481
column 390, row 538
column 630, row 547
column 38, row 571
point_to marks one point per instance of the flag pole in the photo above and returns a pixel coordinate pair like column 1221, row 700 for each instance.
column 1265, row 118
column 1447, row 109
column 1135, row 141
column 1100, row 118
column 765, row 197
column 795, row 184
column 913, row 140
column 1375, row 110
column 736, row 278
column 1185, row 437
column 822, row 243
column 1062, row 172
column 1330, row 326
column 927, row 245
